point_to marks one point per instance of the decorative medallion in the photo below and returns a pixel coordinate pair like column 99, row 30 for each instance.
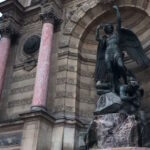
column 30, row 49
column 32, row 45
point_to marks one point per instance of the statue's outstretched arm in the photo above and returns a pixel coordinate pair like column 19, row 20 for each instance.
column 118, row 17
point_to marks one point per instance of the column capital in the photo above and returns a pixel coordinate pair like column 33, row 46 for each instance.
column 8, row 28
column 50, row 17
column 7, row 31
column 50, row 13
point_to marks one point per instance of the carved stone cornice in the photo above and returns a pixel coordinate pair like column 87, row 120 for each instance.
column 52, row 14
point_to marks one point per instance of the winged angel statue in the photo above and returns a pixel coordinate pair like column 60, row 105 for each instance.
column 110, row 68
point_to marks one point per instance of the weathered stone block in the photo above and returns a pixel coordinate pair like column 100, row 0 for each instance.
column 108, row 103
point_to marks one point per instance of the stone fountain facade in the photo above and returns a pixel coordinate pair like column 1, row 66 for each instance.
column 47, row 88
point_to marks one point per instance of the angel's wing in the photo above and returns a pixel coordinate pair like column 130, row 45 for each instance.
column 101, row 73
column 130, row 43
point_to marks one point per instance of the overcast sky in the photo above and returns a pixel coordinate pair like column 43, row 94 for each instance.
column 2, row 0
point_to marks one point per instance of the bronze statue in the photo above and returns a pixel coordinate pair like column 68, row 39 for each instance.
column 110, row 66
column 121, row 90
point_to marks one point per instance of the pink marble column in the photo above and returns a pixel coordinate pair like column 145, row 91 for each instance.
column 43, row 66
column 5, row 43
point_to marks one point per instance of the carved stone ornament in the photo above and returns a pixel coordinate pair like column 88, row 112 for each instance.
column 50, row 13
column 30, row 50
column 8, row 28
column 30, row 64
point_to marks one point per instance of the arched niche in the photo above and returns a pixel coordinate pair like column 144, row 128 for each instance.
column 136, row 20
column 78, row 39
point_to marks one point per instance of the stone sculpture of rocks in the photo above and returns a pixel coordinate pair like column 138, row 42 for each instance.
column 110, row 128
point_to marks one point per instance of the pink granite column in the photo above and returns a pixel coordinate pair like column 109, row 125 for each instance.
column 43, row 66
column 7, row 32
column 4, row 51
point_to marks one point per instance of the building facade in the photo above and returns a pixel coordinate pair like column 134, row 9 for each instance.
column 47, row 63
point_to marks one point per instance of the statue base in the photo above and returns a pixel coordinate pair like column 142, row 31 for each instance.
column 114, row 127
column 114, row 130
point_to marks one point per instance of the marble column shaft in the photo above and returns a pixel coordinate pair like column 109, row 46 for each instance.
column 43, row 66
column 5, row 43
